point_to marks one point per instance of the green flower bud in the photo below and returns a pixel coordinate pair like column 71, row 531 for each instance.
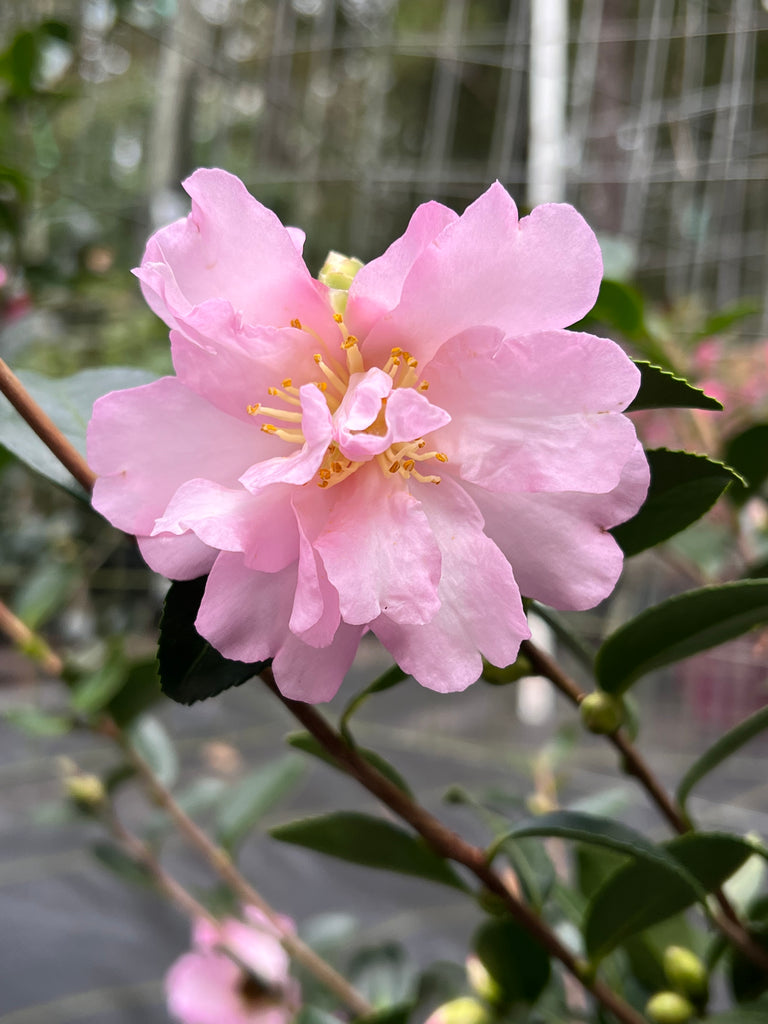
column 481, row 981
column 460, row 1011
column 686, row 973
column 601, row 713
column 510, row 674
column 86, row 790
column 669, row 1008
column 338, row 271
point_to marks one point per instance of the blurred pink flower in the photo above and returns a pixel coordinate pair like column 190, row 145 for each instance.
column 295, row 454
column 247, row 984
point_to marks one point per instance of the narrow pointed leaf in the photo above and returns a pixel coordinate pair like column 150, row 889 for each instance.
column 390, row 678
column 643, row 893
column 683, row 487
column 150, row 739
column 253, row 796
column 306, row 741
column 190, row 669
column 372, row 842
column 726, row 745
column 661, row 389
column 678, row 628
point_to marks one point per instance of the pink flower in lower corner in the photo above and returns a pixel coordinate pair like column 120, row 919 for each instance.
column 236, row 973
column 406, row 456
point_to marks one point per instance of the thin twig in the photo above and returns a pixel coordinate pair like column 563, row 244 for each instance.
column 448, row 844
column 32, row 644
column 223, row 865
column 45, row 428
column 635, row 765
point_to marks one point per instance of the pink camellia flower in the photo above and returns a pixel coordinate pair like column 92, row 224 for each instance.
column 237, row 973
column 406, row 456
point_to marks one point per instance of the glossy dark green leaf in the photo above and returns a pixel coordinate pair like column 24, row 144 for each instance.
column 747, row 452
column 683, row 487
column 306, row 742
column 247, row 802
column 150, row 739
column 190, row 669
column 519, row 966
column 69, row 402
column 747, row 980
column 722, row 749
column 372, row 842
column 661, row 389
column 678, row 628
column 643, row 893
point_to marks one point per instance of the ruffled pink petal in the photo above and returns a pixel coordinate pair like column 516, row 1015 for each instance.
column 244, row 614
column 145, row 442
column 558, row 544
column 541, row 273
column 480, row 613
column 229, row 247
column 182, row 557
column 376, row 288
column 261, row 526
column 201, row 988
column 232, row 365
column 379, row 552
column 538, row 413
column 315, row 616
column 410, row 415
column 301, row 466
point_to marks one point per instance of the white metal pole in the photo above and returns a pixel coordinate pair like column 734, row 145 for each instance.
column 547, row 101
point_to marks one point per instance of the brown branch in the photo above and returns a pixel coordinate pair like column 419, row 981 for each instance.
column 634, row 764
column 32, row 644
column 450, row 846
column 45, row 428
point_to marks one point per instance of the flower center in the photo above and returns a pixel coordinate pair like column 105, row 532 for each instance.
column 372, row 419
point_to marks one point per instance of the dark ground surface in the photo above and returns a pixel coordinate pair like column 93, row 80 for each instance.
column 79, row 946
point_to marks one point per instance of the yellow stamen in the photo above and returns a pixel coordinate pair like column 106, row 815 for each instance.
column 338, row 318
column 394, row 467
column 279, row 414
column 334, row 378
column 295, row 436
column 287, row 382
column 253, row 410
column 424, row 386
column 297, row 324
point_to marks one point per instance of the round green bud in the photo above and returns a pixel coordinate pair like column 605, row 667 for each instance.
column 464, row 1010
column 686, row 973
column 669, row 1008
column 601, row 713
column 481, row 981
column 339, row 270
column 510, row 674
column 86, row 790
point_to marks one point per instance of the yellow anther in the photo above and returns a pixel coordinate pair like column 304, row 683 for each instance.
column 336, row 467
column 424, row 386
column 441, row 456
column 350, row 342
column 296, row 323
column 408, row 465
column 269, row 428
column 323, row 483
column 287, row 382
column 396, row 351
column 253, row 410
column 338, row 318
column 322, row 385
column 394, row 467
column 318, row 358
column 421, row 444
column 273, row 391
column 413, row 363
column 325, row 474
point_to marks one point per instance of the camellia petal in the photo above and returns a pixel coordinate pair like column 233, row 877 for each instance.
column 402, row 452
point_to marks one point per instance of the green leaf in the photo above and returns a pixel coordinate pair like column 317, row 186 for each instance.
column 589, row 828
column 68, row 401
column 33, row 722
column 748, row 1013
column 747, row 979
column 520, row 967
column 399, row 1014
column 314, row 1015
column 644, row 892
column 372, row 842
column 45, row 591
column 390, row 678
column 661, row 389
column 678, row 628
column 683, row 487
column 726, row 745
column 384, row 976
column 151, row 741
column 253, row 796
column 93, row 693
column 118, row 861
column 139, row 692
column 190, row 669
column 727, row 317
column 306, row 742
column 747, row 452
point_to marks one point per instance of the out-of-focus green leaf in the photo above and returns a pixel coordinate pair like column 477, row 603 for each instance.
column 68, row 401
column 34, row 722
column 383, row 975
column 748, row 1013
column 400, row 1014
column 533, row 867
column 372, row 842
column 678, row 628
column 725, row 318
column 253, row 796
column 45, row 591
column 748, row 980
column 722, row 749
column 390, row 678
column 644, row 892
column 140, row 691
column 661, row 389
column 190, row 669
column 747, row 452
column 151, row 741
column 306, row 742
column 520, row 967
column 618, row 305
column 118, row 861
column 93, row 693
column 683, row 487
